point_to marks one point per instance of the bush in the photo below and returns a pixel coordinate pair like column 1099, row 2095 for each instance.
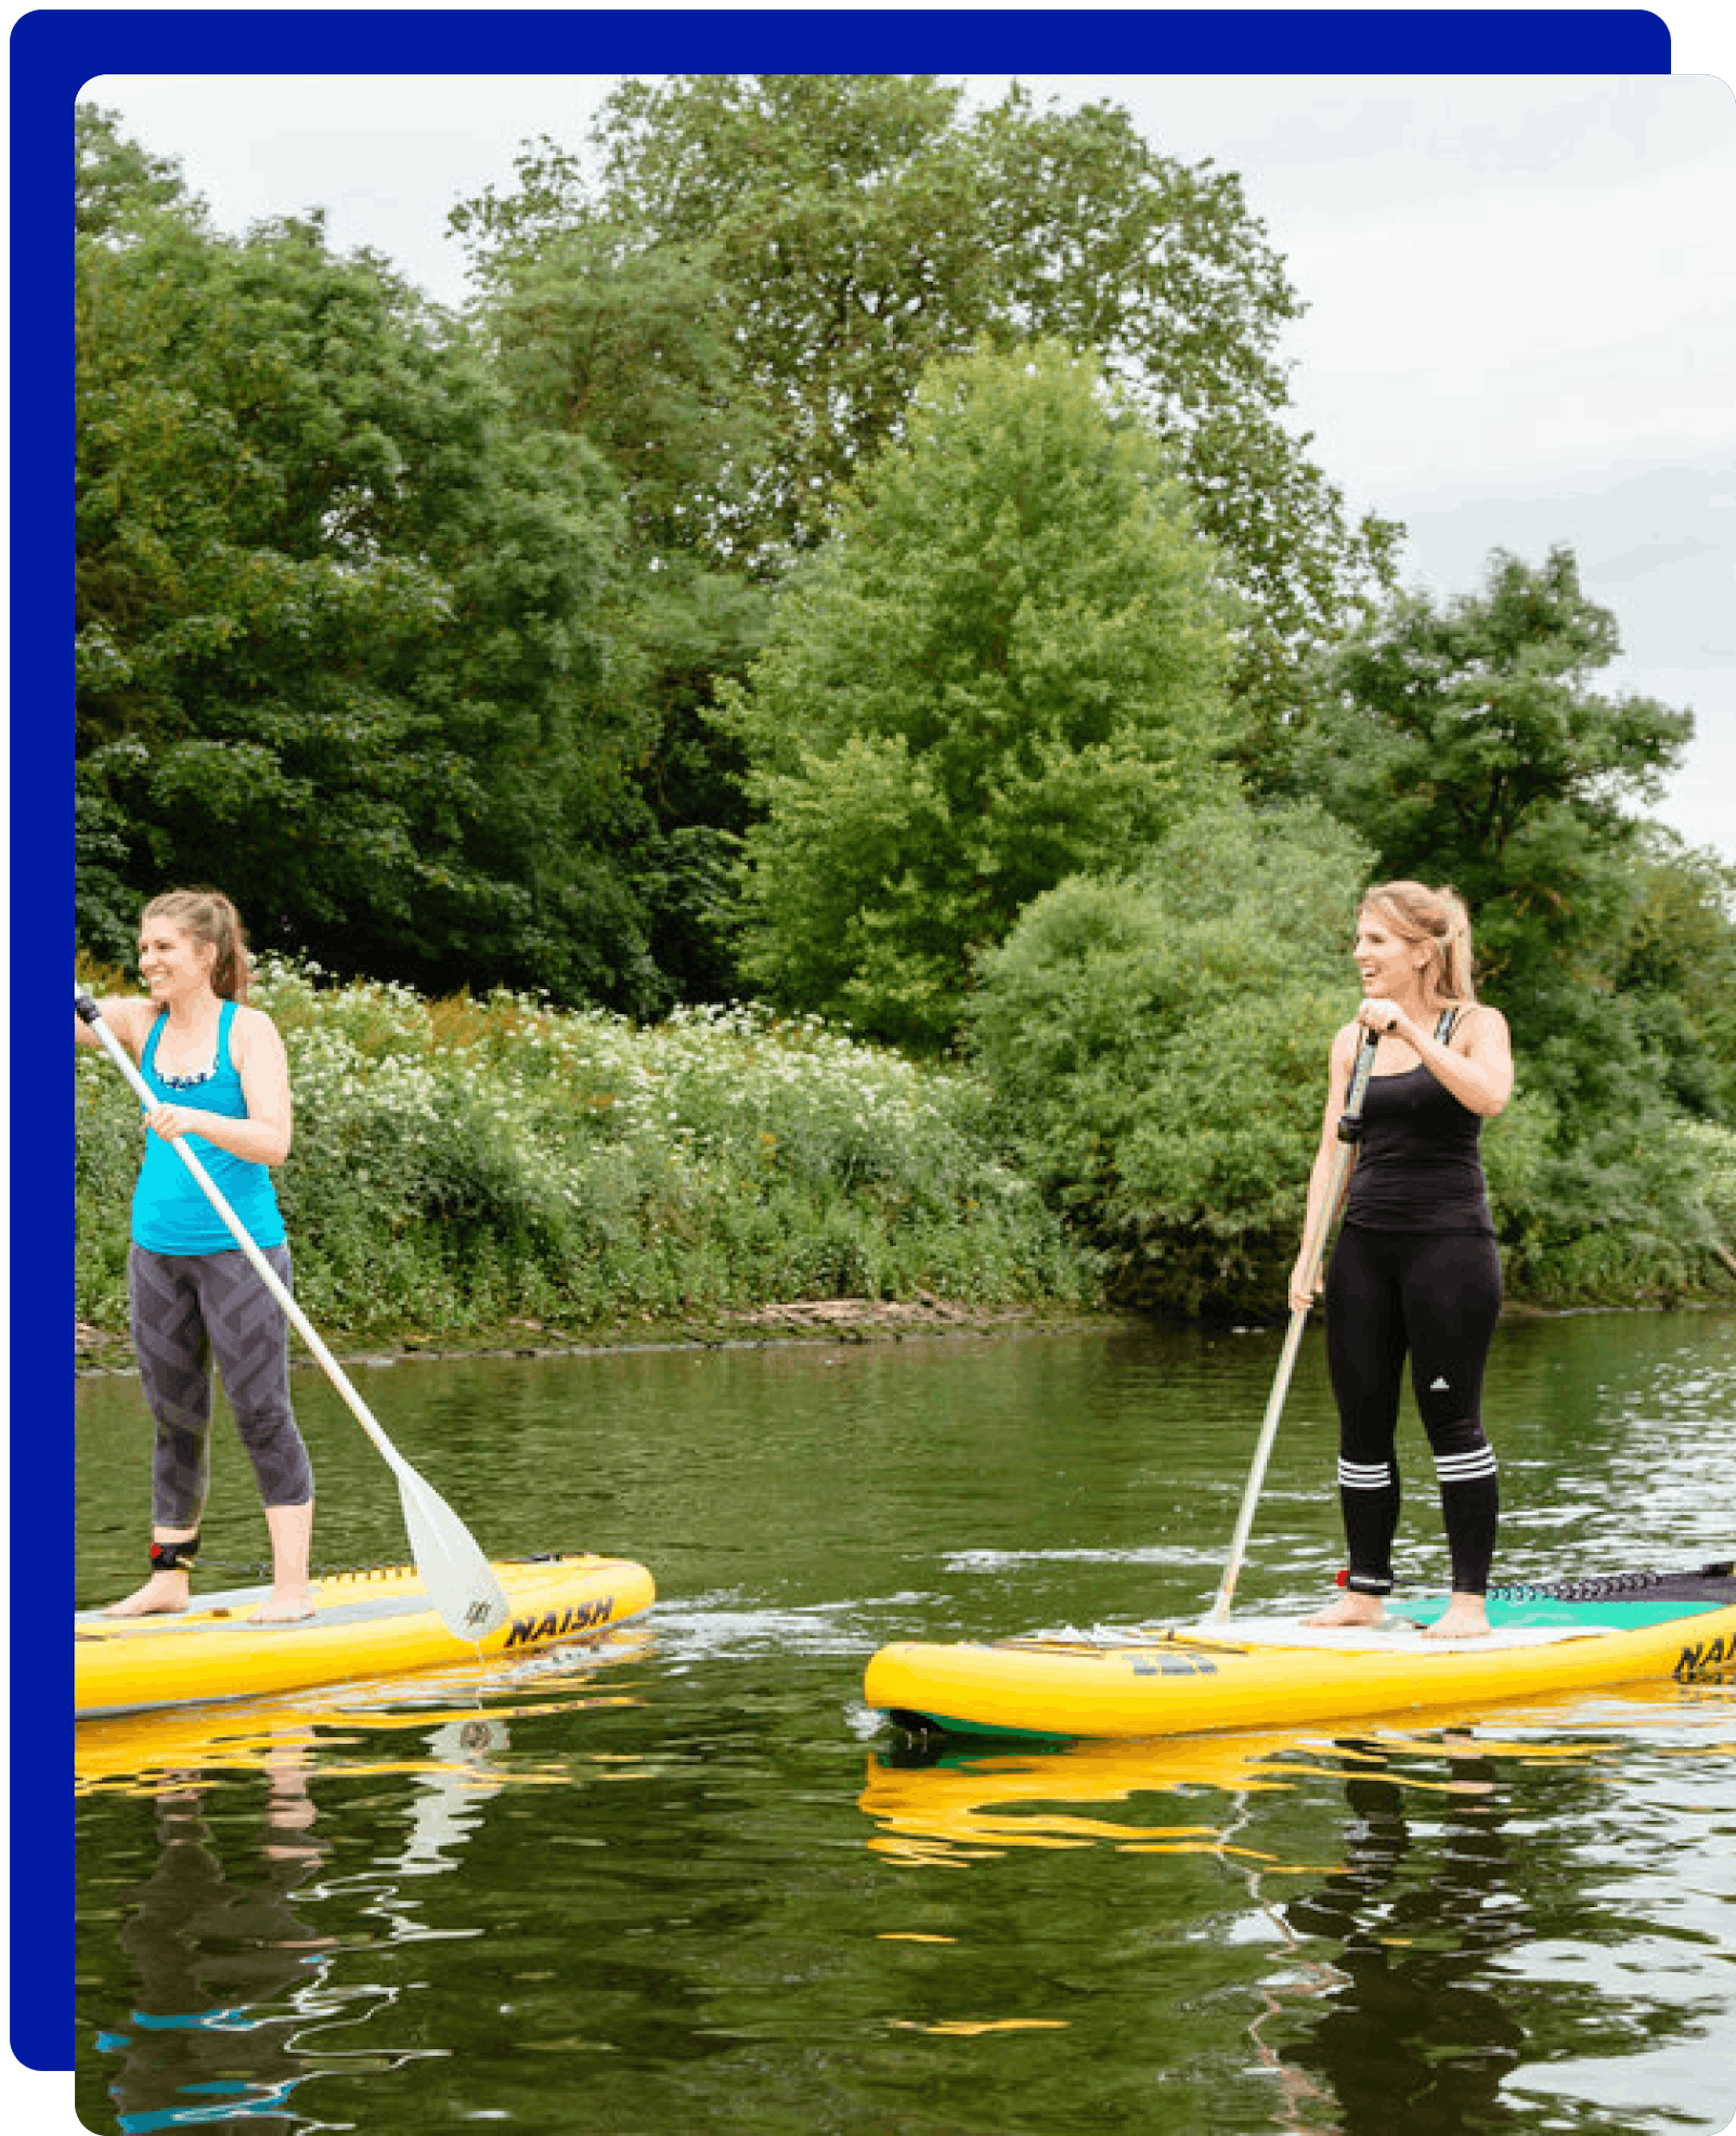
column 1620, row 1207
column 462, row 1162
column 1157, row 1048
column 1711, row 1151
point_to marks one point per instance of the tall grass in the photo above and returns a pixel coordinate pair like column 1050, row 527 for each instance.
column 460, row 1164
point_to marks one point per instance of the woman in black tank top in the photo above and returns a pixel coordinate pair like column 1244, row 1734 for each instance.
column 1415, row 1271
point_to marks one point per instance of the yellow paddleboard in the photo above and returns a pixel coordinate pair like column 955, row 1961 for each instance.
column 1280, row 1674
column 375, row 1623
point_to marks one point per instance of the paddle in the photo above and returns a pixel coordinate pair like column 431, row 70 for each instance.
column 459, row 1578
column 1314, row 1248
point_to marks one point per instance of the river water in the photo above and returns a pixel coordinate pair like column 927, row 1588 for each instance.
column 683, row 1882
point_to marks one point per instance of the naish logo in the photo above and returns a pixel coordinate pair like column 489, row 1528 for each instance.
column 1710, row 1658
column 556, row 1625
column 1173, row 1665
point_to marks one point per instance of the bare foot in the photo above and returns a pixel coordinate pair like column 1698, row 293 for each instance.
column 1466, row 1618
column 1349, row 1610
column 291, row 1606
column 163, row 1595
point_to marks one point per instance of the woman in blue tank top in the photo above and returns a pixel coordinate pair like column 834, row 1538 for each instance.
column 218, row 1072
column 1415, row 1271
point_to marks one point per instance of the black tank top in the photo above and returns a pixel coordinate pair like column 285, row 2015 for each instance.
column 1417, row 1165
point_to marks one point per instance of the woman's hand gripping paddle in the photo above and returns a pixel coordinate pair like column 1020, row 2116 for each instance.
column 460, row 1579
column 1349, row 1130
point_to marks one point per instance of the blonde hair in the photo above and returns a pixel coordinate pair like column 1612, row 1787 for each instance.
column 1438, row 917
column 208, row 916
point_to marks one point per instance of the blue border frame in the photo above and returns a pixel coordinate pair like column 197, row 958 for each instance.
column 53, row 55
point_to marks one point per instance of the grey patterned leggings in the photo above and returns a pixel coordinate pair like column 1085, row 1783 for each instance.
column 187, row 1308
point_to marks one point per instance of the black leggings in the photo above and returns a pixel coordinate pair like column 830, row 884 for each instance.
column 1437, row 1296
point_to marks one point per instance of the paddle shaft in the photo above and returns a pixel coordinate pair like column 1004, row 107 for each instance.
column 1314, row 1248
column 92, row 1015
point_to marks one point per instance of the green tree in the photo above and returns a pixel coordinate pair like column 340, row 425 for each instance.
column 1676, row 963
column 343, row 638
column 1004, row 669
column 119, row 182
column 1466, row 742
column 847, row 231
column 635, row 348
column 1155, row 1045
column 632, row 350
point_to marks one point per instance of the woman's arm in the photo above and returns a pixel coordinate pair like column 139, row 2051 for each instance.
column 126, row 1016
column 1476, row 1064
column 1305, row 1278
column 262, row 1138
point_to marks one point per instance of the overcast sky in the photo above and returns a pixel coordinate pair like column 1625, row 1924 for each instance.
column 1521, row 292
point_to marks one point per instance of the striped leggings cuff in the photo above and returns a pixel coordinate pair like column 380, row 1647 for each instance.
column 1364, row 1475
column 1466, row 1468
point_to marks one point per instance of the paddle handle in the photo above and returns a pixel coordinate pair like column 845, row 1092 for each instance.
column 1349, row 1134
column 1350, row 1121
column 90, row 1014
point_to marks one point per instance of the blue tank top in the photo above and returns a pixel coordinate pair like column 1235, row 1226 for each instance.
column 171, row 1214
column 1418, row 1164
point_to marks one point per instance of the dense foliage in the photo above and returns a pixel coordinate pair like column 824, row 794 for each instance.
column 851, row 229
column 459, row 1164
column 735, row 287
column 1004, row 669
column 1468, row 742
column 1156, row 1045
column 342, row 628
column 1155, row 1048
column 853, row 551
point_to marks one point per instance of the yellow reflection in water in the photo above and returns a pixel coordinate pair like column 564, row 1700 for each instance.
column 463, row 1710
column 968, row 2028
column 957, row 1802
column 968, row 1806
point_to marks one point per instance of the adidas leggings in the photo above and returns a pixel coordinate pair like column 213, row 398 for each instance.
column 187, row 1308
column 1436, row 1295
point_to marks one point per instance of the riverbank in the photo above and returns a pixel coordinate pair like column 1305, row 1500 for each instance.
column 103, row 1351
column 100, row 1352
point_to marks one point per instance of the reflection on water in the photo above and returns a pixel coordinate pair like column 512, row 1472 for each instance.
column 940, row 1800
column 1396, row 1988
column 682, row 1880
column 226, row 1973
column 1398, row 2019
column 219, row 1955
column 467, row 1709
column 940, row 1807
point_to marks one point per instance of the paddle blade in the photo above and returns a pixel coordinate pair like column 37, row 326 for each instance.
column 460, row 1579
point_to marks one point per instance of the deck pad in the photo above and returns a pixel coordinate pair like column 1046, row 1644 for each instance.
column 233, row 1612
column 1242, row 1634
